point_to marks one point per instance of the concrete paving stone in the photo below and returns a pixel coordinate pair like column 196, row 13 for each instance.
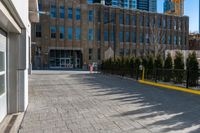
column 76, row 102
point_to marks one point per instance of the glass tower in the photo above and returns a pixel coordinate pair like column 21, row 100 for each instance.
column 147, row 5
column 127, row 4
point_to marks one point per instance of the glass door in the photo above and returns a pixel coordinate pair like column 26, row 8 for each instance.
column 69, row 63
column 3, row 94
column 62, row 63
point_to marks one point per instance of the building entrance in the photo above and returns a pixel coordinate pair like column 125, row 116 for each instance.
column 65, row 59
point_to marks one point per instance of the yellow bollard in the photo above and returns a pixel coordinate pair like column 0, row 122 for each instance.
column 143, row 74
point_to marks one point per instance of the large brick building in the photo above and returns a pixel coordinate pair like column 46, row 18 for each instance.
column 76, row 34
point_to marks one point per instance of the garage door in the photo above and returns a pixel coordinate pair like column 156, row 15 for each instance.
column 3, row 95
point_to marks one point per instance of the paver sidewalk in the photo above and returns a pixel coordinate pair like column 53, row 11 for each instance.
column 78, row 102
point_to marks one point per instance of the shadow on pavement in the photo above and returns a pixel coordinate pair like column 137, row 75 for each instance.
column 170, row 110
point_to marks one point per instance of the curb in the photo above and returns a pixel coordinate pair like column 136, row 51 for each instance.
column 170, row 87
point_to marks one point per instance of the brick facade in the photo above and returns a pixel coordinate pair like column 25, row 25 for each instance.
column 152, row 31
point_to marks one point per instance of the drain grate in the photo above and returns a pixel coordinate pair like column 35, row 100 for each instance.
column 10, row 124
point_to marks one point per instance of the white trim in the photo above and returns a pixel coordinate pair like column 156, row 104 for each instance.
column 8, row 17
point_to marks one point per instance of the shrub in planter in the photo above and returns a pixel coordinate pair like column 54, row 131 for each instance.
column 132, row 66
column 159, row 62
column 137, row 64
column 145, row 64
column 168, row 66
column 150, row 67
column 127, row 66
column 179, row 67
column 192, row 67
column 158, row 65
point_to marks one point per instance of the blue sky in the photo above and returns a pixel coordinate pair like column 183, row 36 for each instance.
column 191, row 10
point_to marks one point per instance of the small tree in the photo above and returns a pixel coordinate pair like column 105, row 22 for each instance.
column 192, row 67
column 137, row 64
column 168, row 68
column 159, row 62
column 158, row 67
column 145, row 62
column 179, row 67
column 150, row 67
column 132, row 66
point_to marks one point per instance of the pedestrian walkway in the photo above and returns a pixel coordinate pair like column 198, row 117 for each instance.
column 80, row 102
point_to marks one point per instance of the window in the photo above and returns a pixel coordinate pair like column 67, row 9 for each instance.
column 99, row 16
column 62, row 32
column 90, row 1
column 168, row 23
column 106, row 35
column 53, row 32
column 62, row 12
column 121, row 18
column 99, row 35
column 147, row 21
column 134, row 20
column 147, row 38
column 174, row 24
column 169, row 39
column 53, row 11
column 69, row 34
column 38, row 30
column 90, row 15
column 111, row 36
column 141, row 37
column 154, row 21
column 90, row 54
column 141, row 20
column 78, row 34
column 164, row 22
column 175, row 40
column 126, row 3
column 113, row 18
column 99, row 54
column 164, row 38
column 179, row 25
column 105, row 17
column 127, row 19
column 133, row 4
column 127, row 37
column 70, row 13
column 121, row 36
column 39, row 5
column 179, row 40
column 159, row 22
column 90, row 34
column 78, row 14
column 134, row 37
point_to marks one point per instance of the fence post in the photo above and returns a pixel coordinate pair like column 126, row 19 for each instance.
column 187, row 82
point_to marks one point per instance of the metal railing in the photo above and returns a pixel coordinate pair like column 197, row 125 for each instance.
column 177, row 77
